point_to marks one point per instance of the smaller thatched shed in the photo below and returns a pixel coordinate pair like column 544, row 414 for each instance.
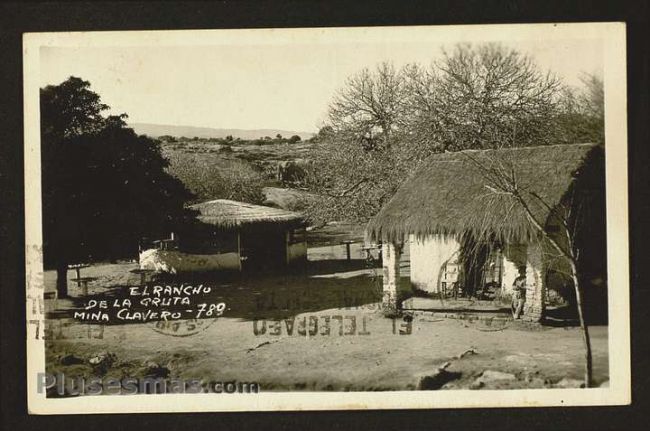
column 229, row 214
column 232, row 235
column 455, row 196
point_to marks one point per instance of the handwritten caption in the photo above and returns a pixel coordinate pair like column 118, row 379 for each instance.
column 152, row 303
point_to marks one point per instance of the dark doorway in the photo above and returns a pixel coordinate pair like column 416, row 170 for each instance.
column 263, row 248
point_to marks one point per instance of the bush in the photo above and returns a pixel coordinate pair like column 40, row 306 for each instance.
column 212, row 177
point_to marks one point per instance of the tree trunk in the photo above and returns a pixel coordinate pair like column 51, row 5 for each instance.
column 62, row 280
column 583, row 325
column 570, row 256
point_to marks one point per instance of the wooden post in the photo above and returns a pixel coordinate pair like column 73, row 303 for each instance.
column 239, row 249
column 287, row 242
column 391, row 252
column 61, row 280
column 347, row 249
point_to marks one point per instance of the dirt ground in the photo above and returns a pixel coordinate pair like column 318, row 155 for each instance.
column 282, row 342
column 382, row 360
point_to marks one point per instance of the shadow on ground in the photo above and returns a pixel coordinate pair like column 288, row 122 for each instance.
column 319, row 285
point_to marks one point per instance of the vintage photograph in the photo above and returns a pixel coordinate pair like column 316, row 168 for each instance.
column 340, row 218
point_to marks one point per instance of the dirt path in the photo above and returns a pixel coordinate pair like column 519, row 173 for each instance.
column 382, row 359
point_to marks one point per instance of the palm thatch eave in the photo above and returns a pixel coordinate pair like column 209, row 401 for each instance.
column 228, row 214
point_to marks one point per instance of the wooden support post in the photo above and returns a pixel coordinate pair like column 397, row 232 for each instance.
column 239, row 250
column 391, row 255
column 347, row 249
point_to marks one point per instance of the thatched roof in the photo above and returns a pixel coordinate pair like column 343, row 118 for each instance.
column 450, row 193
column 226, row 214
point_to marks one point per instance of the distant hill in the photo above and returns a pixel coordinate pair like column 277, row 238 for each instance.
column 156, row 130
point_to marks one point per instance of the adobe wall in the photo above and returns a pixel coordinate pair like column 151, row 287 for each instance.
column 535, row 280
column 428, row 255
column 174, row 262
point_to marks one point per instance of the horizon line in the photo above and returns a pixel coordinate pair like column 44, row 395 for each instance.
column 222, row 128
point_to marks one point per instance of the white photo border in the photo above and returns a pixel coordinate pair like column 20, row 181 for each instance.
column 619, row 390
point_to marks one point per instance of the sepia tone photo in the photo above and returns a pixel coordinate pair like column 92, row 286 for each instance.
column 342, row 218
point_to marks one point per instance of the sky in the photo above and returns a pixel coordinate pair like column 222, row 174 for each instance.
column 268, row 80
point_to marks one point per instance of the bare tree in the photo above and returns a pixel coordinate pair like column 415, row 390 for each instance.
column 482, row 97
column 384, row 122
column 582, row 112
column 351, row 182
column 593, row 96
column 369, row 106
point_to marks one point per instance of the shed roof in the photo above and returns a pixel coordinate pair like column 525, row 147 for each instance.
column 227, row 213
column 450, row 193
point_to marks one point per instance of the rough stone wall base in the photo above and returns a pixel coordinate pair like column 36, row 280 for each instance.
column 534, row 308
column 390, row 257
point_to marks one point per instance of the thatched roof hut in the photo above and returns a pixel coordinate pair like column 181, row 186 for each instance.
column 225, row 213
column 450, row 193
column 231, row 235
